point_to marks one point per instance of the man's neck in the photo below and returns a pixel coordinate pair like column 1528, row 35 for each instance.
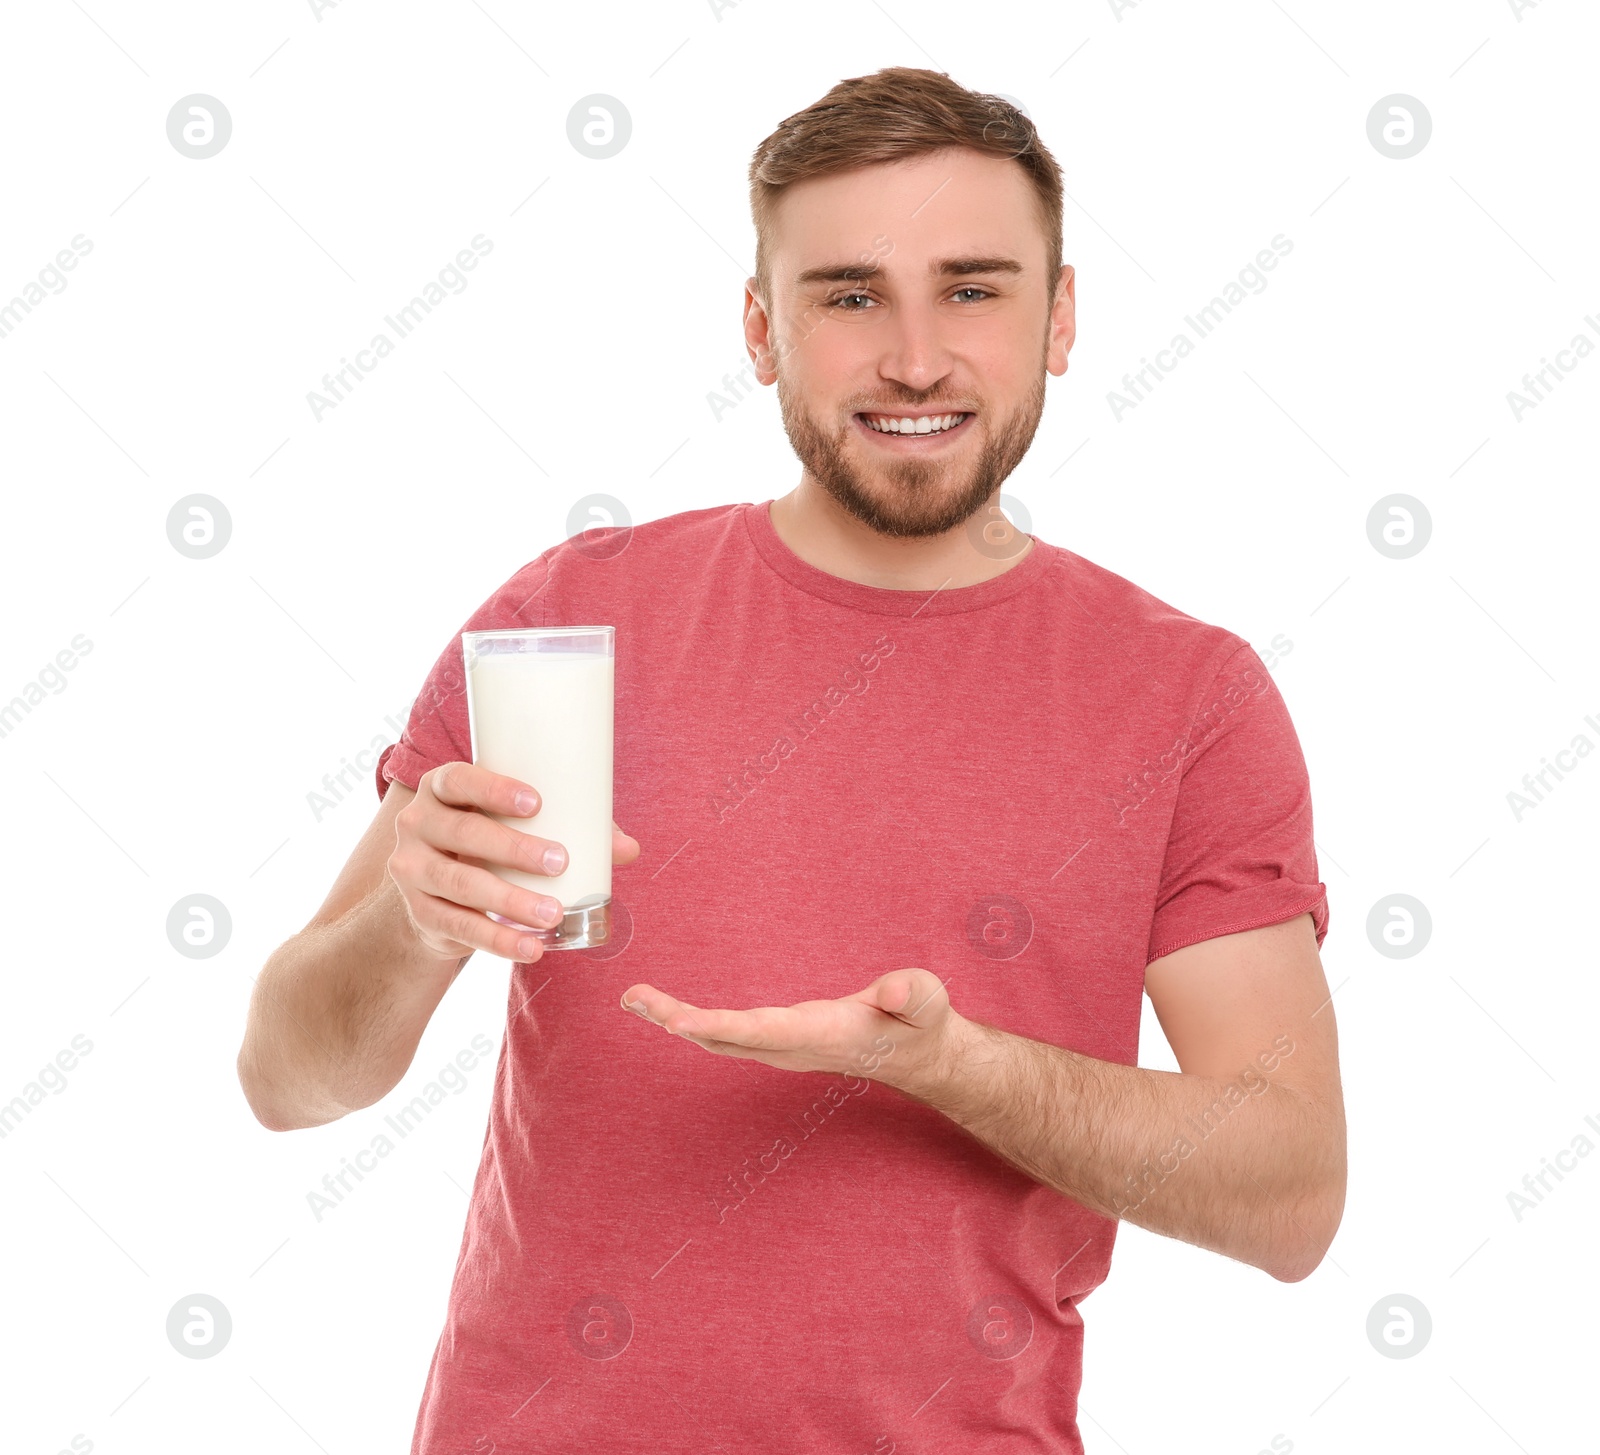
column 823, row 534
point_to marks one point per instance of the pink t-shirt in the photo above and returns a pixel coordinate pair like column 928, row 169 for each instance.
column 1032, row 787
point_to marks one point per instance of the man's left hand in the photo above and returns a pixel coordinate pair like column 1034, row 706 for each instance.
column 901, row 1030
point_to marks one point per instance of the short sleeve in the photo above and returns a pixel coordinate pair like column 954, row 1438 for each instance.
column 438, row 730
column 1239, row 853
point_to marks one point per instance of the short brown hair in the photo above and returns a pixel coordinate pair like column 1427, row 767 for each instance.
column 889, row 116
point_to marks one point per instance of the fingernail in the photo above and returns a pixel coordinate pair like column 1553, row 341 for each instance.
column 527, row 803
column 555, row 860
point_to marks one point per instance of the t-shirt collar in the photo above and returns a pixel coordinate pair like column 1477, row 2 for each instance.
column 887, row 600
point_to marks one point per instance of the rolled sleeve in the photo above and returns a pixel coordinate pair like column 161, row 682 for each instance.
column 1239, row 852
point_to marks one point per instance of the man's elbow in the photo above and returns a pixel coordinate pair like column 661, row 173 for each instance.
column 1297, row 1271
column 256, row 1099
column 268, row 1104
column 1307, row 1236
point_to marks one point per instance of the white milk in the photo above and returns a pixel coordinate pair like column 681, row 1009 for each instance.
column 546, row 718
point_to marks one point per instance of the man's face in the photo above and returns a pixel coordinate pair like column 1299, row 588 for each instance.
column 912, row 291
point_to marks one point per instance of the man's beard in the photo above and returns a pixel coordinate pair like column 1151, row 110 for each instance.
column 910, row 497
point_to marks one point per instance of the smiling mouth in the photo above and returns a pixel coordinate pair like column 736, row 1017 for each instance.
column 912, row 429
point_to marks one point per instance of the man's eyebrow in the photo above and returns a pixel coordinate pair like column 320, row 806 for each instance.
column 938, row 268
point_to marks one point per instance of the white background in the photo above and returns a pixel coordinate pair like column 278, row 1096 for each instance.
column 369, row 146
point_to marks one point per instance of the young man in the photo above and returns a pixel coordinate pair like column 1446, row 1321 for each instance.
column 927, row 806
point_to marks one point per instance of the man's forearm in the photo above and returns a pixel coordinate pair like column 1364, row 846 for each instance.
column 337, row 1013
column 1245, row 1167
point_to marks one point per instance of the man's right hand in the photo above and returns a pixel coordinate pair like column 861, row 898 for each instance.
column 443, row 828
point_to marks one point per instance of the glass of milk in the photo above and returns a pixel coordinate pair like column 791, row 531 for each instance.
column 540, row 704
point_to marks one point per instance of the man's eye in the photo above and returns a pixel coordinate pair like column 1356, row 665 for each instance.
column 984, row 291
column 842, row 298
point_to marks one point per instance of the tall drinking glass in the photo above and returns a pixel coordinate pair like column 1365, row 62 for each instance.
column 540, row 704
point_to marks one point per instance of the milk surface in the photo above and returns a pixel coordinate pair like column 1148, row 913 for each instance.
column 546, row 718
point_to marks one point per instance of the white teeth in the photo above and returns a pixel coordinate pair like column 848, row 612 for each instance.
column 928, row 424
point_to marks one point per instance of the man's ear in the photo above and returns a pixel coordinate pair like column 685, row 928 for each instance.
column 1063, row 321
column 758, row 333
